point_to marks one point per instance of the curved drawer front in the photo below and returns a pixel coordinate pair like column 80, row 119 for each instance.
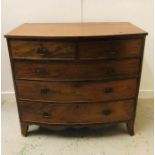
column 75, row 70
column 77, row 113
column 76, row 91
column 110, row 48
column 42, row 49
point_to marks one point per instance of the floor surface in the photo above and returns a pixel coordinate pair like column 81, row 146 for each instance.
column 112, row 140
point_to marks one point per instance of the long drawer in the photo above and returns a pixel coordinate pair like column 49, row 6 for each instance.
column 99, row 70
column 77, row 113
column 76, row 91
column 110, row 48
column 34, row 49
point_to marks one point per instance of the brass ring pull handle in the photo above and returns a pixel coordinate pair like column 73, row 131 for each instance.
column 41, row 71
column 112, row 50
column 108, row 90
column 45, row 114
column 42, row 51
column 77, row 106
column 110, row 71
column 44, row 91
column 106, row 112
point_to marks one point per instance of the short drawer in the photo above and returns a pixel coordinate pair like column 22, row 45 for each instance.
column 76, row 71
column 76, row 91
column 110, row 48
column 42, row 49
column 77, row 113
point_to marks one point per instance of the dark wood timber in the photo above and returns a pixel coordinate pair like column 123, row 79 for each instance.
column 110, row 48
column 130, row 126
column 77, row 91
column 24, row 128
column 76, row 75
column 138, row 84
column 98, row 70
column 22, row 125
column 81, row 113
column 42, row 49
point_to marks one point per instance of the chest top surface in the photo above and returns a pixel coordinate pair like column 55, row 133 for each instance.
column 47, row 30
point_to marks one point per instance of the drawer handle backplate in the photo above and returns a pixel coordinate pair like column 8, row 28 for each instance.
column 108, row 90
column 45, row 114
column 41, row 71
column 42, row 51
column 106, row 112
column 44, row 91
column 110, row 71
column 112, row 51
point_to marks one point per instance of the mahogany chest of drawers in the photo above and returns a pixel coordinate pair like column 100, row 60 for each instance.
column 76, row 75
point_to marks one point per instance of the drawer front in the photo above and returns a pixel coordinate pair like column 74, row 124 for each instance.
column 77, row 113
column 42, row 49
column 76, row 91
column 76, row 71
column 110, row 48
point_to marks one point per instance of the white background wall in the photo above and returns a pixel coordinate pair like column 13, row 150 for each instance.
column 139, row 12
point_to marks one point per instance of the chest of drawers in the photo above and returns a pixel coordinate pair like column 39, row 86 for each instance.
column 76, row 75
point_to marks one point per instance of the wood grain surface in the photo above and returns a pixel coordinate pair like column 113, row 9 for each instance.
column 43, row 30
column 76, row 91
column 42, row 49
column 76, row 113
column 90, row 70
column 110, row 48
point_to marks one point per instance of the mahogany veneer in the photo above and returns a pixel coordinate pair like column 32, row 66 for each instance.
column 76, row 75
